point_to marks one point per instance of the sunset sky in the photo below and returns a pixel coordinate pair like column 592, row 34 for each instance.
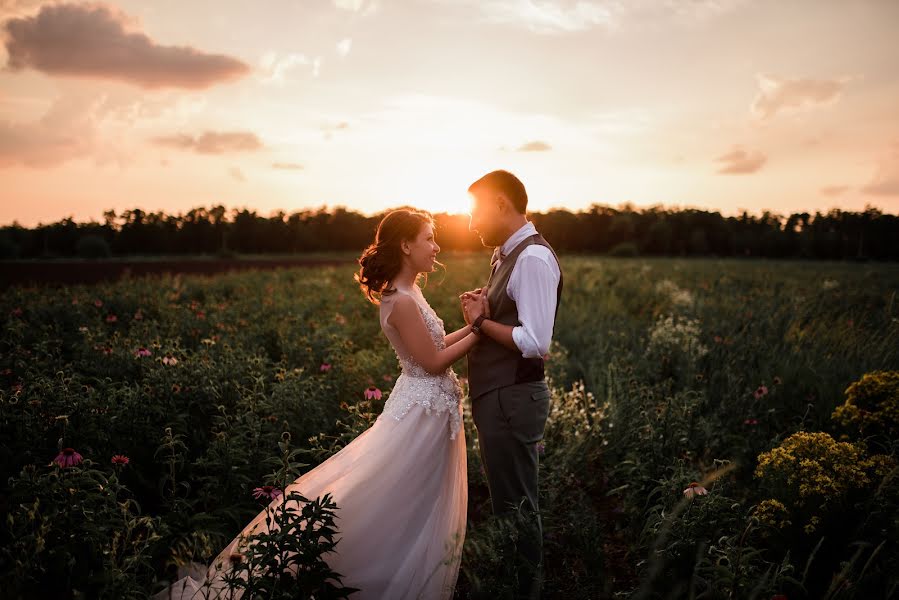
column 728, row 105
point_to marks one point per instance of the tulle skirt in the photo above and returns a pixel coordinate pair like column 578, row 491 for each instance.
column 401, row 489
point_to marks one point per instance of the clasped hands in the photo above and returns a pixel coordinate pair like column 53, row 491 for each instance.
column 474, row 304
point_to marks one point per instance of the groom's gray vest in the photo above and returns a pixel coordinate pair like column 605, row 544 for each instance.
column 490, row 364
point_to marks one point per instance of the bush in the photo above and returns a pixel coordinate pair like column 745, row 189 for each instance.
column 872, row 404
column 624, row 249
column 8, row 248
column 92, row 246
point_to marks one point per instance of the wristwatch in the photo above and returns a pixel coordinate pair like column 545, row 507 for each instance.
column 476, row 324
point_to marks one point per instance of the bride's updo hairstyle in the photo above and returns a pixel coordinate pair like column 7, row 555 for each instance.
column 381, row 261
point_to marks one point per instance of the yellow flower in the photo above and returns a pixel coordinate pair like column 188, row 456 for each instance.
column 813, row 472
column 872, row 404
column 773, row 512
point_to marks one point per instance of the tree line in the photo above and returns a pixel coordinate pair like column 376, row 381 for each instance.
column 623, row 231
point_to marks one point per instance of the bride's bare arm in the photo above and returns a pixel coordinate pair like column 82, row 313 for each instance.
column 406, row 317
column 452, row 338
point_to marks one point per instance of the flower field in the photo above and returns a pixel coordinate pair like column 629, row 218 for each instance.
column 718, row 428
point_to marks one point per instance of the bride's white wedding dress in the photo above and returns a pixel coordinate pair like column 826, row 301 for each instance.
column 401, row 489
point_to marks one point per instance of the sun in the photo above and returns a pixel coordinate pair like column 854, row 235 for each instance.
column 435, row 186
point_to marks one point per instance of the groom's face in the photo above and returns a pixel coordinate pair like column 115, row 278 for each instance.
column 486, row 216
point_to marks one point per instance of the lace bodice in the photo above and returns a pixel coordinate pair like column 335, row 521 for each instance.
column 436, row 393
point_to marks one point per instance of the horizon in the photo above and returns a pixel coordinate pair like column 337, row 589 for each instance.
column 621, row 207
column 718, row 105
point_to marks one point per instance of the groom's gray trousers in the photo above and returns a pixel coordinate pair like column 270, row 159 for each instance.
column 510, row 421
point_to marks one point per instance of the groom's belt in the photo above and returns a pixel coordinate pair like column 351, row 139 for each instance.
column 529, row 369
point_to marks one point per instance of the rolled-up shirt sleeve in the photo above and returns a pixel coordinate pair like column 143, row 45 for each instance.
column 533, row 287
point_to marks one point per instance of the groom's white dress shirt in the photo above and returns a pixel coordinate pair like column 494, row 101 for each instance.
column 532, row 285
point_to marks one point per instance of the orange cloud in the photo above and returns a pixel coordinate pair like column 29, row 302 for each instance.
column 91, row 40
column 212, row 142
column 886, row 180
column 834, row 190
column 739, row 162
column 66, row 132
column 776, row 94
column 535, row 146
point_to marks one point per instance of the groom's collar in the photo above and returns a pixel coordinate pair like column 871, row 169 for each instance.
column 522, row 232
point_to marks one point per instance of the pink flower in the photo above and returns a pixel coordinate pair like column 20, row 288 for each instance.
column 120, row 459
column 142, row 352
column 74, row 300
column 694, row 489
column 169, row 360
column 98, row 303
column 760, row 391
column 371, row 392
column 111, row 318
column 17, row 311
column 325, row 367
column 138, row 315
column 340, row 319
column 68, row 458
column 266, row 491
column 751, row 422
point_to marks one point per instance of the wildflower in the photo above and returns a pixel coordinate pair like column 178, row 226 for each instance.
column 760, row 391
column 98, row 303
column 74, row 301
column 82, row 329
column 387, row 378
column 17, row 311
column 68, row 458
column 169, row 360
column 266, row 491
column 541, row 448
column 340, row 319
column 325, row 367
column 142, row 352
column 120, row 459
column 777, row 380
column 138, row 315
column 111, row 318
column 751, row 422
column 694, row 489
column 208, row 341
column 872, row 404
column 372, row 392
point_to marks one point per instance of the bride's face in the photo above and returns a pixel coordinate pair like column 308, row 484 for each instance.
column 422, row 251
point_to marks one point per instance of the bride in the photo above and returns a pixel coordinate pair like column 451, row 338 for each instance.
column 401, row 486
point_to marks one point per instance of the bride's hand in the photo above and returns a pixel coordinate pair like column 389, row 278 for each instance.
column 467, row 299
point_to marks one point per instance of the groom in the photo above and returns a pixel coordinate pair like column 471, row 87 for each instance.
column 509, row 395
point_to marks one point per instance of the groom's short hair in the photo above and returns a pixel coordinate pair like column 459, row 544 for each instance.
column 508, row 184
